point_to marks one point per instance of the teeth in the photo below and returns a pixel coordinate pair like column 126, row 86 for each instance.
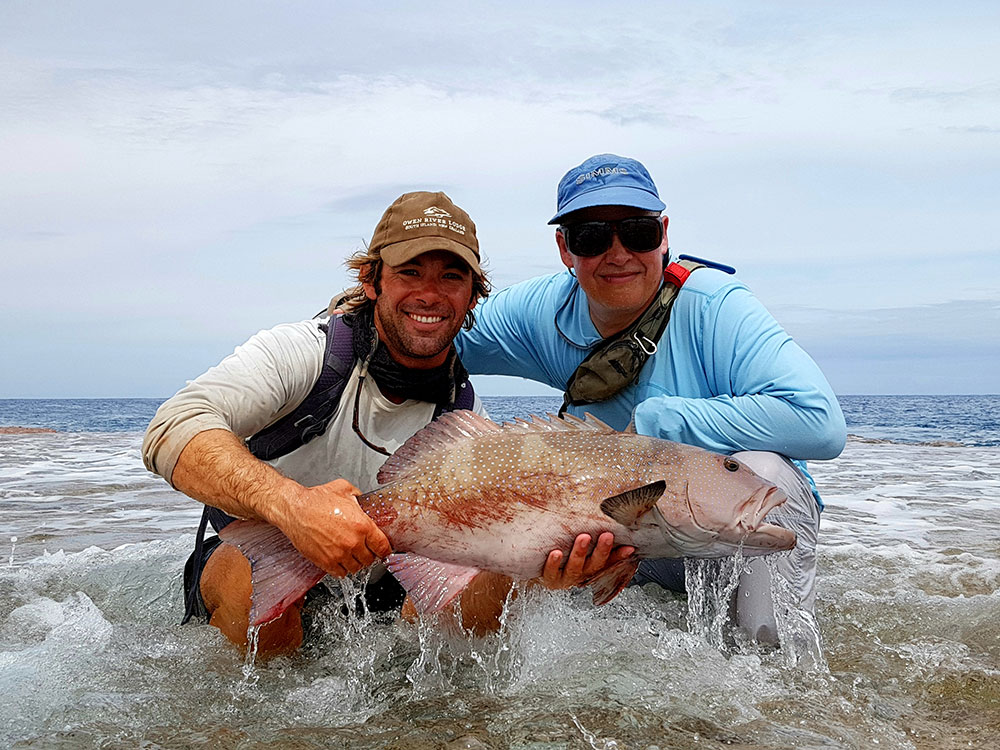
column 426, row 318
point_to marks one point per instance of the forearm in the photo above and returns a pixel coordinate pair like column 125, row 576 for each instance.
column 769, row 394
column 752, row 422
column 216, row 468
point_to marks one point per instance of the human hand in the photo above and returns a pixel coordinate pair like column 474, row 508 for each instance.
column 582, row 563
column 326, row 524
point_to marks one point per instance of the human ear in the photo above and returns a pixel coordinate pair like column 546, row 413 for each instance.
column 564, row 254
column 370, row 291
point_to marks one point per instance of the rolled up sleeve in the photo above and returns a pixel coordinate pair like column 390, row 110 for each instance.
column 260, row 382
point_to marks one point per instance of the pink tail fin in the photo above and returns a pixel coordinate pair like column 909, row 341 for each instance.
column 280, row 574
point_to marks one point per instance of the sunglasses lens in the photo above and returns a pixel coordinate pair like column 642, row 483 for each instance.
column 641, row 235
column 589, row 238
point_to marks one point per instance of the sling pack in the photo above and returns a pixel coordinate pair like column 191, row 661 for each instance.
column 307, row 421
column 615, row 363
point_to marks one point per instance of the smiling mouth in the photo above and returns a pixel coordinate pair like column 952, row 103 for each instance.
column 425, row 318
column 620, row 276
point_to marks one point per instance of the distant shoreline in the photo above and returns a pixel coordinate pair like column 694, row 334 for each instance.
column 25, row 430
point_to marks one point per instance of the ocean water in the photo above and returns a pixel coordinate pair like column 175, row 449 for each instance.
column 964, row 420
column 92, row 655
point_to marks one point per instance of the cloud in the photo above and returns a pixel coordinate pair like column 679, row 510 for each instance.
column 200, row 171
column 985, row 93
column 964, row 327
column 978, row 129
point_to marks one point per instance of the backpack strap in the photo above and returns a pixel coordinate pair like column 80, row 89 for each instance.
column 465, row 398
column 310, row 418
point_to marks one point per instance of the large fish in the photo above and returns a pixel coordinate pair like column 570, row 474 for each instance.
column 465, row 494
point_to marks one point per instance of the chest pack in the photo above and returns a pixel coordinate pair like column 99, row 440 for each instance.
column 615, row 363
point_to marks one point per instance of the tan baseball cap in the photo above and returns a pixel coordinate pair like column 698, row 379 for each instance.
column 420, row 222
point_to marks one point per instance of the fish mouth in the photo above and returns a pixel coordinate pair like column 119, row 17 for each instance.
column 746, row 533
column 749, row 516
column 762, row 502
column 757, row 535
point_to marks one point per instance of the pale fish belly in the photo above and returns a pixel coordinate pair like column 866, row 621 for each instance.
column 503, row 531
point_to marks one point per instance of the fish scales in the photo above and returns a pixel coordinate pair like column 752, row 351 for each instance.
column 472, row 495
column 535, row 491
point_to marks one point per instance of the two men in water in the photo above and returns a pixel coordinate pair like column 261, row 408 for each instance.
column 722, row 375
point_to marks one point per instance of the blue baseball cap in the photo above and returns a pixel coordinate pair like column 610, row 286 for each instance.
column 606, row 180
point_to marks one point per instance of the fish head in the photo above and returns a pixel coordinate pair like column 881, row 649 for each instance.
column 715, row 505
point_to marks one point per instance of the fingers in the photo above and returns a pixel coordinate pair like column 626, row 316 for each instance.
column 337, row 570
column 552, row 572
column 377, row 543
column 358, row 552
column 342, row 486
column 577, row 560
column 602, row 551
column 345, row 565
column 620, row 554
column 583, row 561
column 335, row 533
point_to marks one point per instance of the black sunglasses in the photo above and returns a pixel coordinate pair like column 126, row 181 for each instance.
column 641, row 234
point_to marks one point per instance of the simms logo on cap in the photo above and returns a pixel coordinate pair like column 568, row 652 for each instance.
column 600, row 172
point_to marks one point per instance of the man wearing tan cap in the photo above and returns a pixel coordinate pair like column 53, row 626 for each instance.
column 295, row 421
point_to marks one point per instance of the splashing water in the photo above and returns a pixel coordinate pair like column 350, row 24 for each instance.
column 798, row 632
column 92, row 654
column 250, row 674
column 497, row 654
column 710, row 585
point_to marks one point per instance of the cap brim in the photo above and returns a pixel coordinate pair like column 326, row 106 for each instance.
column 400, row 252
column 612, row 196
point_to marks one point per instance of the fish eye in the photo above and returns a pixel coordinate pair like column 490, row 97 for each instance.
column 731, row 464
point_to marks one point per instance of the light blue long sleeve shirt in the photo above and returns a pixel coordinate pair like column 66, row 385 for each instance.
column 725, row 377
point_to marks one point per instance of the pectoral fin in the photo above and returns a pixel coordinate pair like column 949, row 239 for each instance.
column 609, row 582
column 432, row 585
column 628, row 507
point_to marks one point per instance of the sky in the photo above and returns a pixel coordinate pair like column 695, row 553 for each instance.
column 177, row 176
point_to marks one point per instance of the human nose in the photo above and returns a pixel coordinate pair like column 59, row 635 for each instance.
column 617, row 253
column 427, row 290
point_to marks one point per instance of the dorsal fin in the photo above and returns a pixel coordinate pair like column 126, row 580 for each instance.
column 450, row 429
column 628, row 507
column 455, row 427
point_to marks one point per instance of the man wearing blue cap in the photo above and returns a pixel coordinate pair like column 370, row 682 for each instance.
column 722, row 374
